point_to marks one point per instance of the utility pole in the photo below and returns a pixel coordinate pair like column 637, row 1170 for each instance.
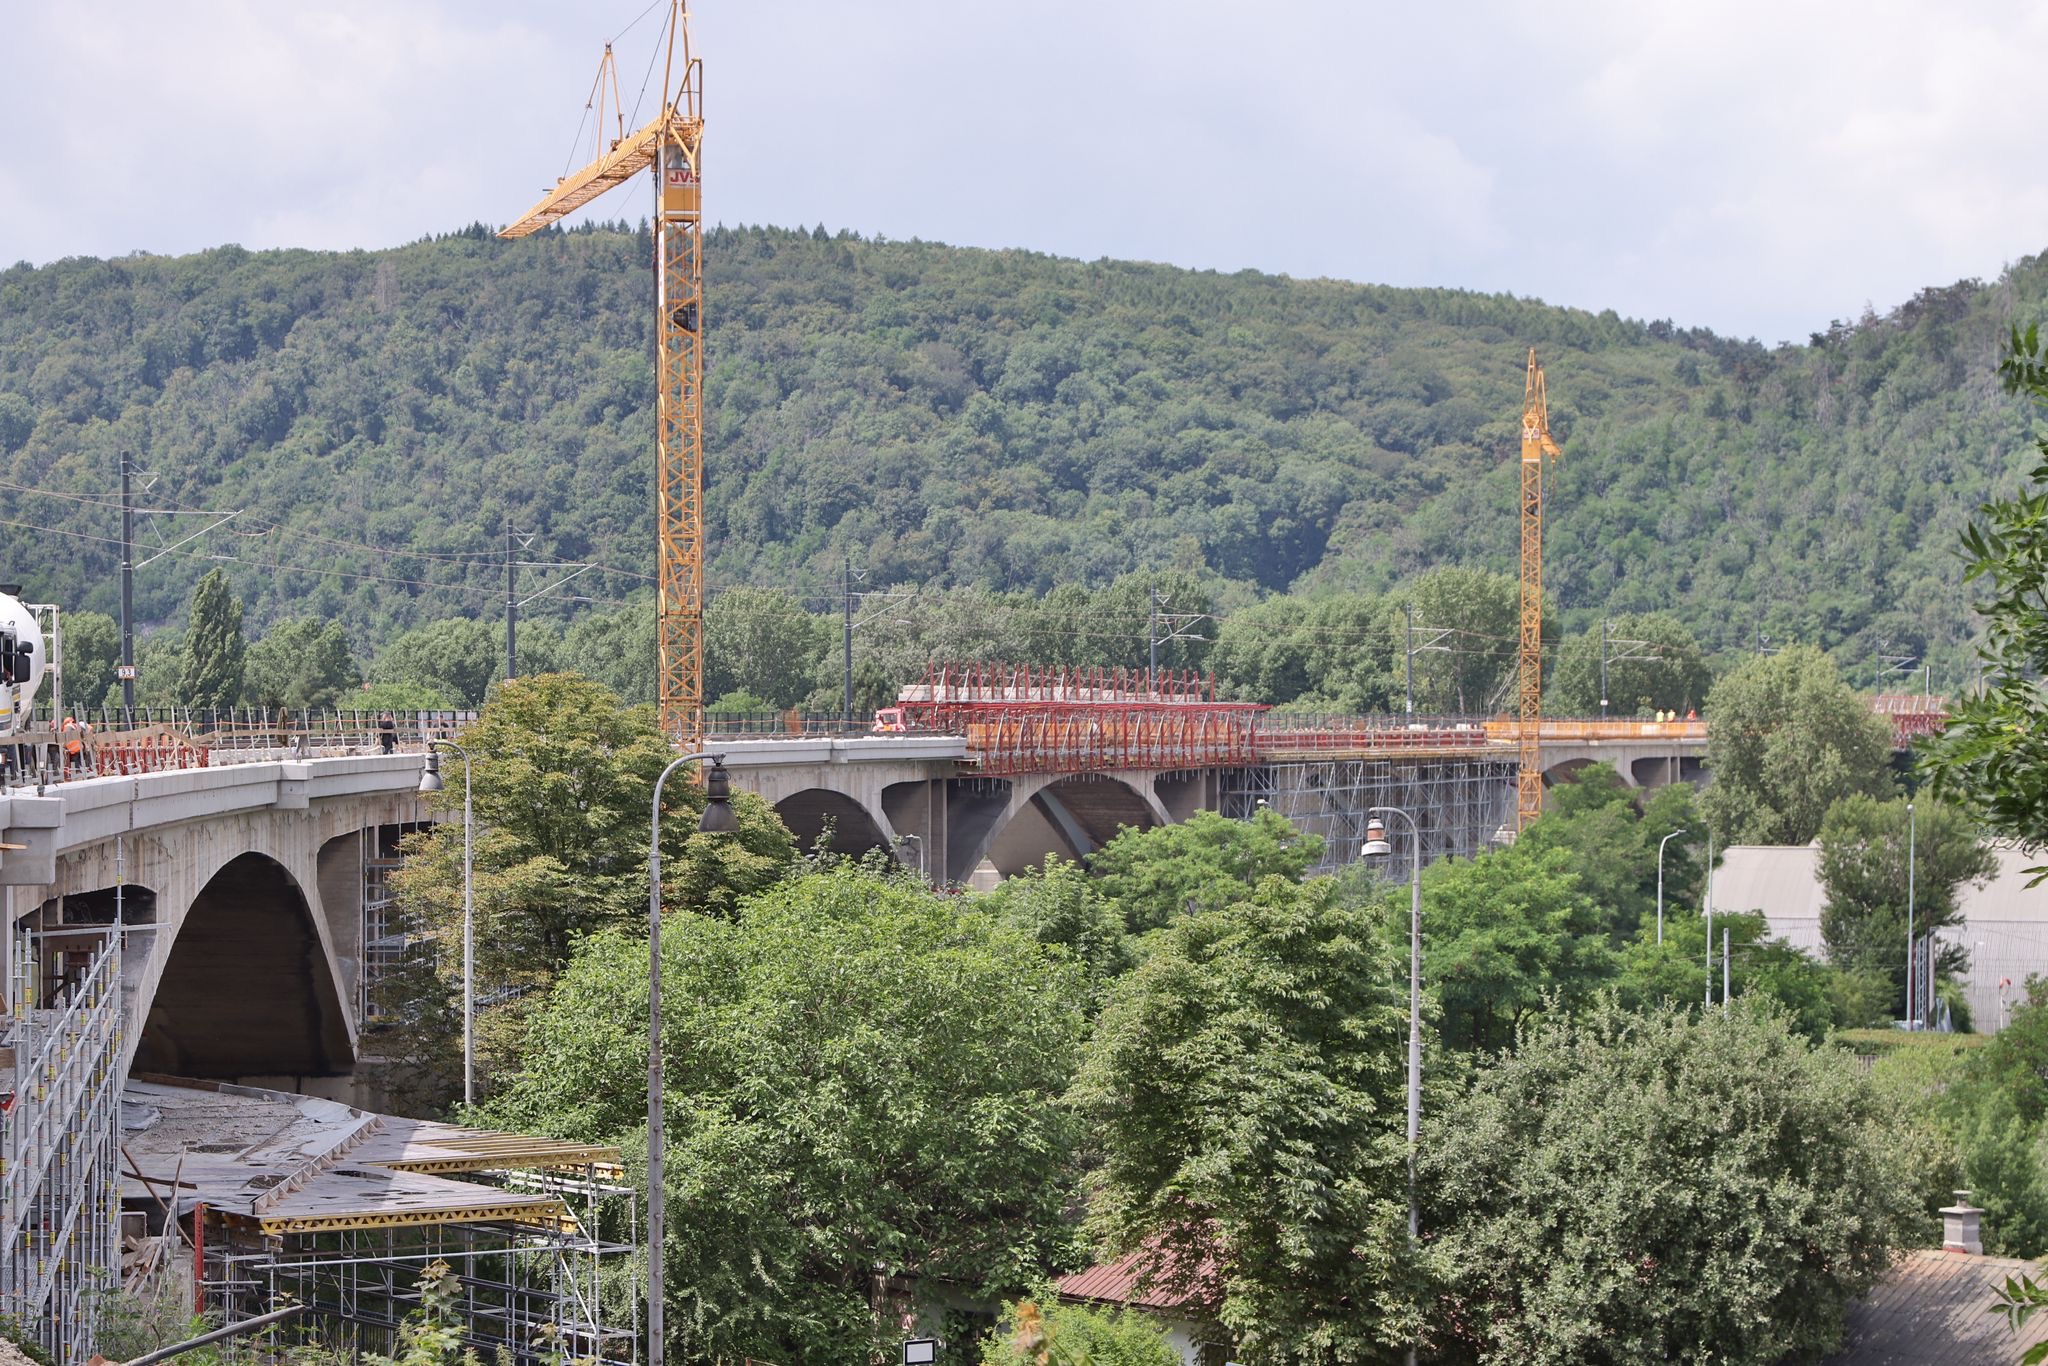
column 1724, row 968
column 846, row 640
column 511, row 606
column 1603, row 668
column 127, row 597
column 1152, row 644
column 1408, row 673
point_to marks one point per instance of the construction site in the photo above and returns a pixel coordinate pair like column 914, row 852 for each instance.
column 234, row 1199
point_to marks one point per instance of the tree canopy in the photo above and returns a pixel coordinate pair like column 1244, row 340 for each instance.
column 214, row 651
column 863, row 1076
column 1627, row 1188
column 1992, row 757
column 1244, row 1088
column 1786, row 737
column 1008, row 421
column 1866, row 857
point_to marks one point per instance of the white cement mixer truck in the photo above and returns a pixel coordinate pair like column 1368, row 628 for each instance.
column 21, row 660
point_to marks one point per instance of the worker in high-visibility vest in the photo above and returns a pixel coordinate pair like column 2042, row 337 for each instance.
column 77, row 744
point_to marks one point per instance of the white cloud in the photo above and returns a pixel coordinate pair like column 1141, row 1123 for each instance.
column 1758, row 168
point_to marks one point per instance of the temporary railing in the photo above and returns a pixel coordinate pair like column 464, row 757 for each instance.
column 170, row 739
column 975, row 683
column 1599, row 728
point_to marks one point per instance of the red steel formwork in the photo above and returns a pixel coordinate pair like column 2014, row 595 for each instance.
column 1083, row 737
column 1911, row 715
column 1020, row 719
column 1026, row 719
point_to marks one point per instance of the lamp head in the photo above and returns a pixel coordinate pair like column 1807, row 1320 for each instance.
column 718, row 818
column 1376, row 843
column 430, row 781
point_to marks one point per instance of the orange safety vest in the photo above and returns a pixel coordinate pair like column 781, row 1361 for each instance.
column 74, row 745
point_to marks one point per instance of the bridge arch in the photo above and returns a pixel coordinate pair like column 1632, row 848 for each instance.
column 855, row 830
column 1071, row 816
column 248, row 990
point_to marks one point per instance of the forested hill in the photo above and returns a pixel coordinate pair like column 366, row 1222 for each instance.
column 1000, row 418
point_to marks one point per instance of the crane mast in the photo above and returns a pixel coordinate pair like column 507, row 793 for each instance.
column 671, row 145
column 1536, row 444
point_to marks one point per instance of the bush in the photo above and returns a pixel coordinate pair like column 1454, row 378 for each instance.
column 1042, row 1332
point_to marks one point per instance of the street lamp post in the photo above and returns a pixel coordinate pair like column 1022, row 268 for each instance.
column 1912, row 956
column 1377, row 846
column 1660, row 881
column 1710, row 917
column 717, row 819
column 430, row 781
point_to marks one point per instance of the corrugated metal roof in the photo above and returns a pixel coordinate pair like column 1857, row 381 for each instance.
column 1117, row 1282
column 292, row 1163
column 1934, row 1309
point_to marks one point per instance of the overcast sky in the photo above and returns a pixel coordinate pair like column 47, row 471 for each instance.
column 1755, row 168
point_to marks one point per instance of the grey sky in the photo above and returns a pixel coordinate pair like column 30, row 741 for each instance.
column 1756, row 168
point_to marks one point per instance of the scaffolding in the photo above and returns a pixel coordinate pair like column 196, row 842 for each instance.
column 296, row 1199
column 1463, row 803
column 387, row 943
column 525, row 1290
column 60, row 1063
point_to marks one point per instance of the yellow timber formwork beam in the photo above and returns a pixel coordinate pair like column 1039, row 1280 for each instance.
column 1536, row 444
column 541, row 1214
column 672, row 145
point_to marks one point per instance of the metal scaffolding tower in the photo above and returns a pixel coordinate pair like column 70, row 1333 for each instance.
column 60, row 1191
column 1463, row 804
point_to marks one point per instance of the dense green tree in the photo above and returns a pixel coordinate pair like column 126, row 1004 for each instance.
column 214, row 650
column 1864, row 866
column 1000, row 421
column 2016, row 1058
column 399, row 698
column 159, row 671
column 1156, row 876
column 562, row 782
column 457, row 658
column 1245, row 1089
column 619, row 649
column 1060, row 904
column 1992, row 758
column 1613, row 844
column 1674, row 973
column 1653, row 664
column 1625, row 1188
column 1339, row 653
column 1969, row 1118
column 302, row 663
column 92, row 650
column 1786, row 738
column 863, row 1076
column 1467, row 624
column 760, row 641
column 1504, row 936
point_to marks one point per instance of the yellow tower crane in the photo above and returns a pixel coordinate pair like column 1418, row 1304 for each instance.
column 1536, row 444
column 671, row 145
